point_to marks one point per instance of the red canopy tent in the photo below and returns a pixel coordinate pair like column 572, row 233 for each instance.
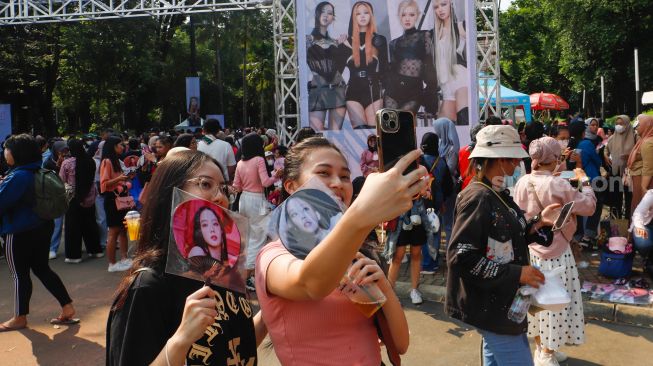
column 541, row 101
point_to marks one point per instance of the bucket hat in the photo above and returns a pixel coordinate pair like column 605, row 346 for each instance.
column 498, row 142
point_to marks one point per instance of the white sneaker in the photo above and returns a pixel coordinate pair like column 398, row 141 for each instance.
column 546, row 359
column 96, row 255
column 561, row 356
column 74, row 261
column 415, row 297
column 53, row 255
column 127, row 262
column 116, row 267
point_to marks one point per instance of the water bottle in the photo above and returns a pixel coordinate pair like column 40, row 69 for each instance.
column 520, row 304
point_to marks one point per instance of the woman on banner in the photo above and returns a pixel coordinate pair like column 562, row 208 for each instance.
column 162, row 319
column 411, row 62
column 367, row 65
column 451, row 62
column 326, row 60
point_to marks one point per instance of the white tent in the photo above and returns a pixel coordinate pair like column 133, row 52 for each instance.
column 647, row 98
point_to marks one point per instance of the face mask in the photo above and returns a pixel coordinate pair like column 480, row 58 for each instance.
column 89, row 143
column 620, row 128
column 270, row 162
column 563, row 144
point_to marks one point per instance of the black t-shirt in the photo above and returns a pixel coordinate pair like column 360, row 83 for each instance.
column 138, row 331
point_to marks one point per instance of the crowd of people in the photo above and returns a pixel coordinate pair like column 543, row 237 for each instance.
column 491, row 203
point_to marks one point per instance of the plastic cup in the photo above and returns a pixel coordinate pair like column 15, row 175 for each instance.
column 367, row 299
column 133, row 220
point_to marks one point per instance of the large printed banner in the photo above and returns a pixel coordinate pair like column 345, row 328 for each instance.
column 356, row 57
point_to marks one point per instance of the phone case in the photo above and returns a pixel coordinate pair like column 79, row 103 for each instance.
column 393, row 146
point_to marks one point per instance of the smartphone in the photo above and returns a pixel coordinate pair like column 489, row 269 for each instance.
column 395, row 132
column 147, row 150
column 568, row 174
column 563, row 217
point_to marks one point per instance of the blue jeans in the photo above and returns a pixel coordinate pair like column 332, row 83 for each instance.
column 56, row 234
column 101, row 219
column 645, row 246
column 431, row 263
column 505, row 350
column 446, row 218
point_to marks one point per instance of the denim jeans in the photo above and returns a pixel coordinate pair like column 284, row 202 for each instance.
column 430, row 263
column 56, row 234
column 592, row 222
column 645, row 246
column 505, row 350
column 101, row 219
column 446, row 218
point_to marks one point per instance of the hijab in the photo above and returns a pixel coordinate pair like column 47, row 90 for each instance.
column 588, row 132
column 544, row 150
column 252, row 146
column 645, row 131
column 449, row 143
column 430, row 142
column 620, row 144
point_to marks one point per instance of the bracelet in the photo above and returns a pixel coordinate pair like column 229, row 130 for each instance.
column 167, row 357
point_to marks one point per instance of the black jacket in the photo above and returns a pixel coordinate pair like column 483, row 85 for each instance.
column 487, row 249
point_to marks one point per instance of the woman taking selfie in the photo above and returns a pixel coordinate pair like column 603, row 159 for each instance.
column 487, row 257
column 290, row 289
column 156, row 317
column 533, row 192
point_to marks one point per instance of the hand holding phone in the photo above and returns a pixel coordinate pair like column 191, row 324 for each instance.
column 395, row 137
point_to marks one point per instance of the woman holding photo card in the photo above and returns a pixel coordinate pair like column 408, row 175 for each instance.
column 157, row 318
column 309, row 318
column 411, row 60
column 367, row 65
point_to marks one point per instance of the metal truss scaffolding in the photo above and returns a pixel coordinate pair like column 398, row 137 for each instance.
column 14, row 12
column 286, row 81
column 487, row 51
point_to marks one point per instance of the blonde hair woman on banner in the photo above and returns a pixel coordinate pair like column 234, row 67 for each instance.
column 326, row 60
column 411, row 57
column 367, row 64
column 451, row 62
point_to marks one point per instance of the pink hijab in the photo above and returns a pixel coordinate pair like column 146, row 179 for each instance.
column 645, row 131
column 544, row 150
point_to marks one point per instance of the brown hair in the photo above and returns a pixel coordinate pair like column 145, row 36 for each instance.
column 152, row 247
column 297, row 156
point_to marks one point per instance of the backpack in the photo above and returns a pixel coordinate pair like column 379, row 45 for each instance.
column 49, row 195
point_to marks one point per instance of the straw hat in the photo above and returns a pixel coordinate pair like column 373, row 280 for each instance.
column 498, row 142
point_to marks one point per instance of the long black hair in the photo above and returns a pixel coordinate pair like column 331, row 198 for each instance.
column 198, row 238
column 252, row 146
column 109, row 152
column 84, row 168
column 318, row 13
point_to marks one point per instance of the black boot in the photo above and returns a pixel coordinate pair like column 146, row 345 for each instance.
column 462, row 117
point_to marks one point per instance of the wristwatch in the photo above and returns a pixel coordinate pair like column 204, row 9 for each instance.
column 535, row 219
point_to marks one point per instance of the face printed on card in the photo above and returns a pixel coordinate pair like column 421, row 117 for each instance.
column 207, row 242
column 305, row 218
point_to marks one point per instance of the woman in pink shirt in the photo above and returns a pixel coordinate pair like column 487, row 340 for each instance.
column 310, row 321
column 251, row 178
column 533, row 192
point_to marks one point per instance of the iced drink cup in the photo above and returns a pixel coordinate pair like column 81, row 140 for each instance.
column 367, row 299
column 133, row 220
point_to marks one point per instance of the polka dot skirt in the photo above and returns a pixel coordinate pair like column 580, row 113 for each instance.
column 568, row 326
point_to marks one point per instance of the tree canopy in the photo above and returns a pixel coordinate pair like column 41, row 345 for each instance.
column 130, row 73
column 565, row 46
